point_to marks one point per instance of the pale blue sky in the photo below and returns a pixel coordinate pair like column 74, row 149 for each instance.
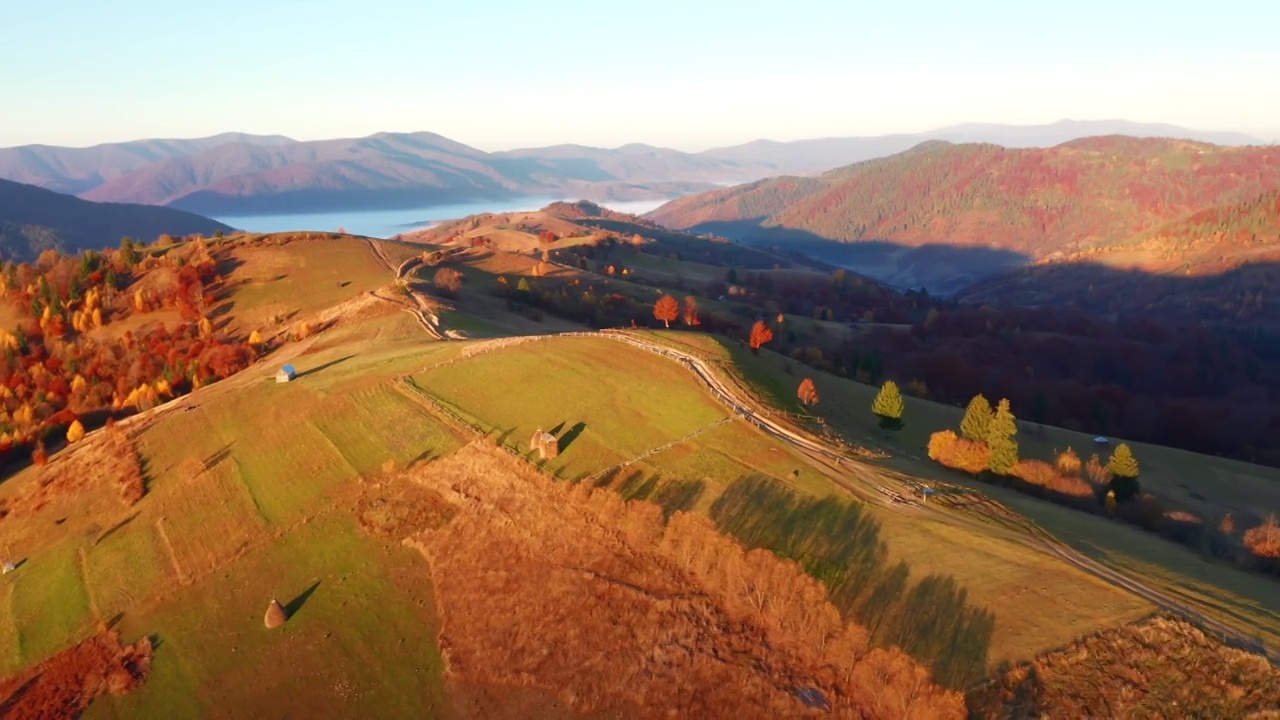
column 689, row 74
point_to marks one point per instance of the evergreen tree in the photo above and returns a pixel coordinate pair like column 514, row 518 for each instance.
column 1123, row 467
column 128, row 255
column 977, row 418
column 888, row 406
column 1001, row 437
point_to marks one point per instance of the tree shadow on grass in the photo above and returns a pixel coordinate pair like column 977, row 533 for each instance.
column 327, row 365
column 294, row 605
column 571, row 435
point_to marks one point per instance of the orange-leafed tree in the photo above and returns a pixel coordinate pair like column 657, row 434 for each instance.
column 940, row 444
column 666, row 309
column 760, row 334
column 1264, row 540
column 807, row 393
column 691, row 311
column 970, row 456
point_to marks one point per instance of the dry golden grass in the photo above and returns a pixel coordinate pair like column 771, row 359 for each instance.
column 65, row 684
column 1158, row 668
column 104, row 456
column 570, row 589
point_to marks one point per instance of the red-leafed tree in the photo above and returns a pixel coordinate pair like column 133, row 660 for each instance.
column 666, row 309
column 760, row 334
column 807, row 393
column 691, row 311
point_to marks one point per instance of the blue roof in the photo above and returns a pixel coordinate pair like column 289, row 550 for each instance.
column 289, row 369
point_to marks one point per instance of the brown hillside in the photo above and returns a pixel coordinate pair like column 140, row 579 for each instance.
column 1158, row 668
column 572, row 590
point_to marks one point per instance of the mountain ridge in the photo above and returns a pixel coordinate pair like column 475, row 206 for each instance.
column 33, row 219
column 1080, row 196
column 235, row 173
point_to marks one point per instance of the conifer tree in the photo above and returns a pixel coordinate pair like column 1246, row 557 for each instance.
column 888, row 406
column 1123, row 467
column 977, row 418
column 1002, row 439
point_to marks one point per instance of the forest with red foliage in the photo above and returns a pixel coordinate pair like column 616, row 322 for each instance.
column 1082, row 194
column 64, row 362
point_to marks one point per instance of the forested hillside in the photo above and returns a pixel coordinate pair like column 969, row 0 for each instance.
column 1085, row 194
column 33, row 220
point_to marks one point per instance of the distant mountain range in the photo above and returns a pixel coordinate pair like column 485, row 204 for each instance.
column 806, row 156
column 235, row 173
column 33, row 220
column 901, row 218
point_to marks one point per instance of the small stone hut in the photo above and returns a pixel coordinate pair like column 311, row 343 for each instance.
column 545, row 443
column 286, row 373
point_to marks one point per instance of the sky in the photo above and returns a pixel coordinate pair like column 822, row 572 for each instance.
column 688, row 74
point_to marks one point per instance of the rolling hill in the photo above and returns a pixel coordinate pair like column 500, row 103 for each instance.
column 33, row 219
column 1087, row 195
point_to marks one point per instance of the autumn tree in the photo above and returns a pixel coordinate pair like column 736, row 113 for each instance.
column 760, row 334
column 1264, row 540
column 977, row 418
column 940, row 444
column 1123, row 467
column 448, row 281
column 807, row 393
column 1097, row 471
column 1002, row 438
column 888, row 406
column 666, row 309
column 75, row 432
column 1068, row 462
column 947, row 448
column 1227, row 526
column 691, row 311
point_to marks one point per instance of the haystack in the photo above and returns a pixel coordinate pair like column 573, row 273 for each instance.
column 276, row 616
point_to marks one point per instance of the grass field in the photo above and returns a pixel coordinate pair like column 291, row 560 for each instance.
column 635, row 401
column 1219, row 485
column 249, row 484
column 360, row 641
column 301, row 277
column 607, row 402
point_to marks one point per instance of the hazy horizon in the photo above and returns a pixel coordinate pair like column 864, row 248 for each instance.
column 501, row 147
column 502, row 75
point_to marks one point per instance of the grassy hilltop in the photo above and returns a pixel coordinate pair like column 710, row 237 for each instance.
column 389, row 493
